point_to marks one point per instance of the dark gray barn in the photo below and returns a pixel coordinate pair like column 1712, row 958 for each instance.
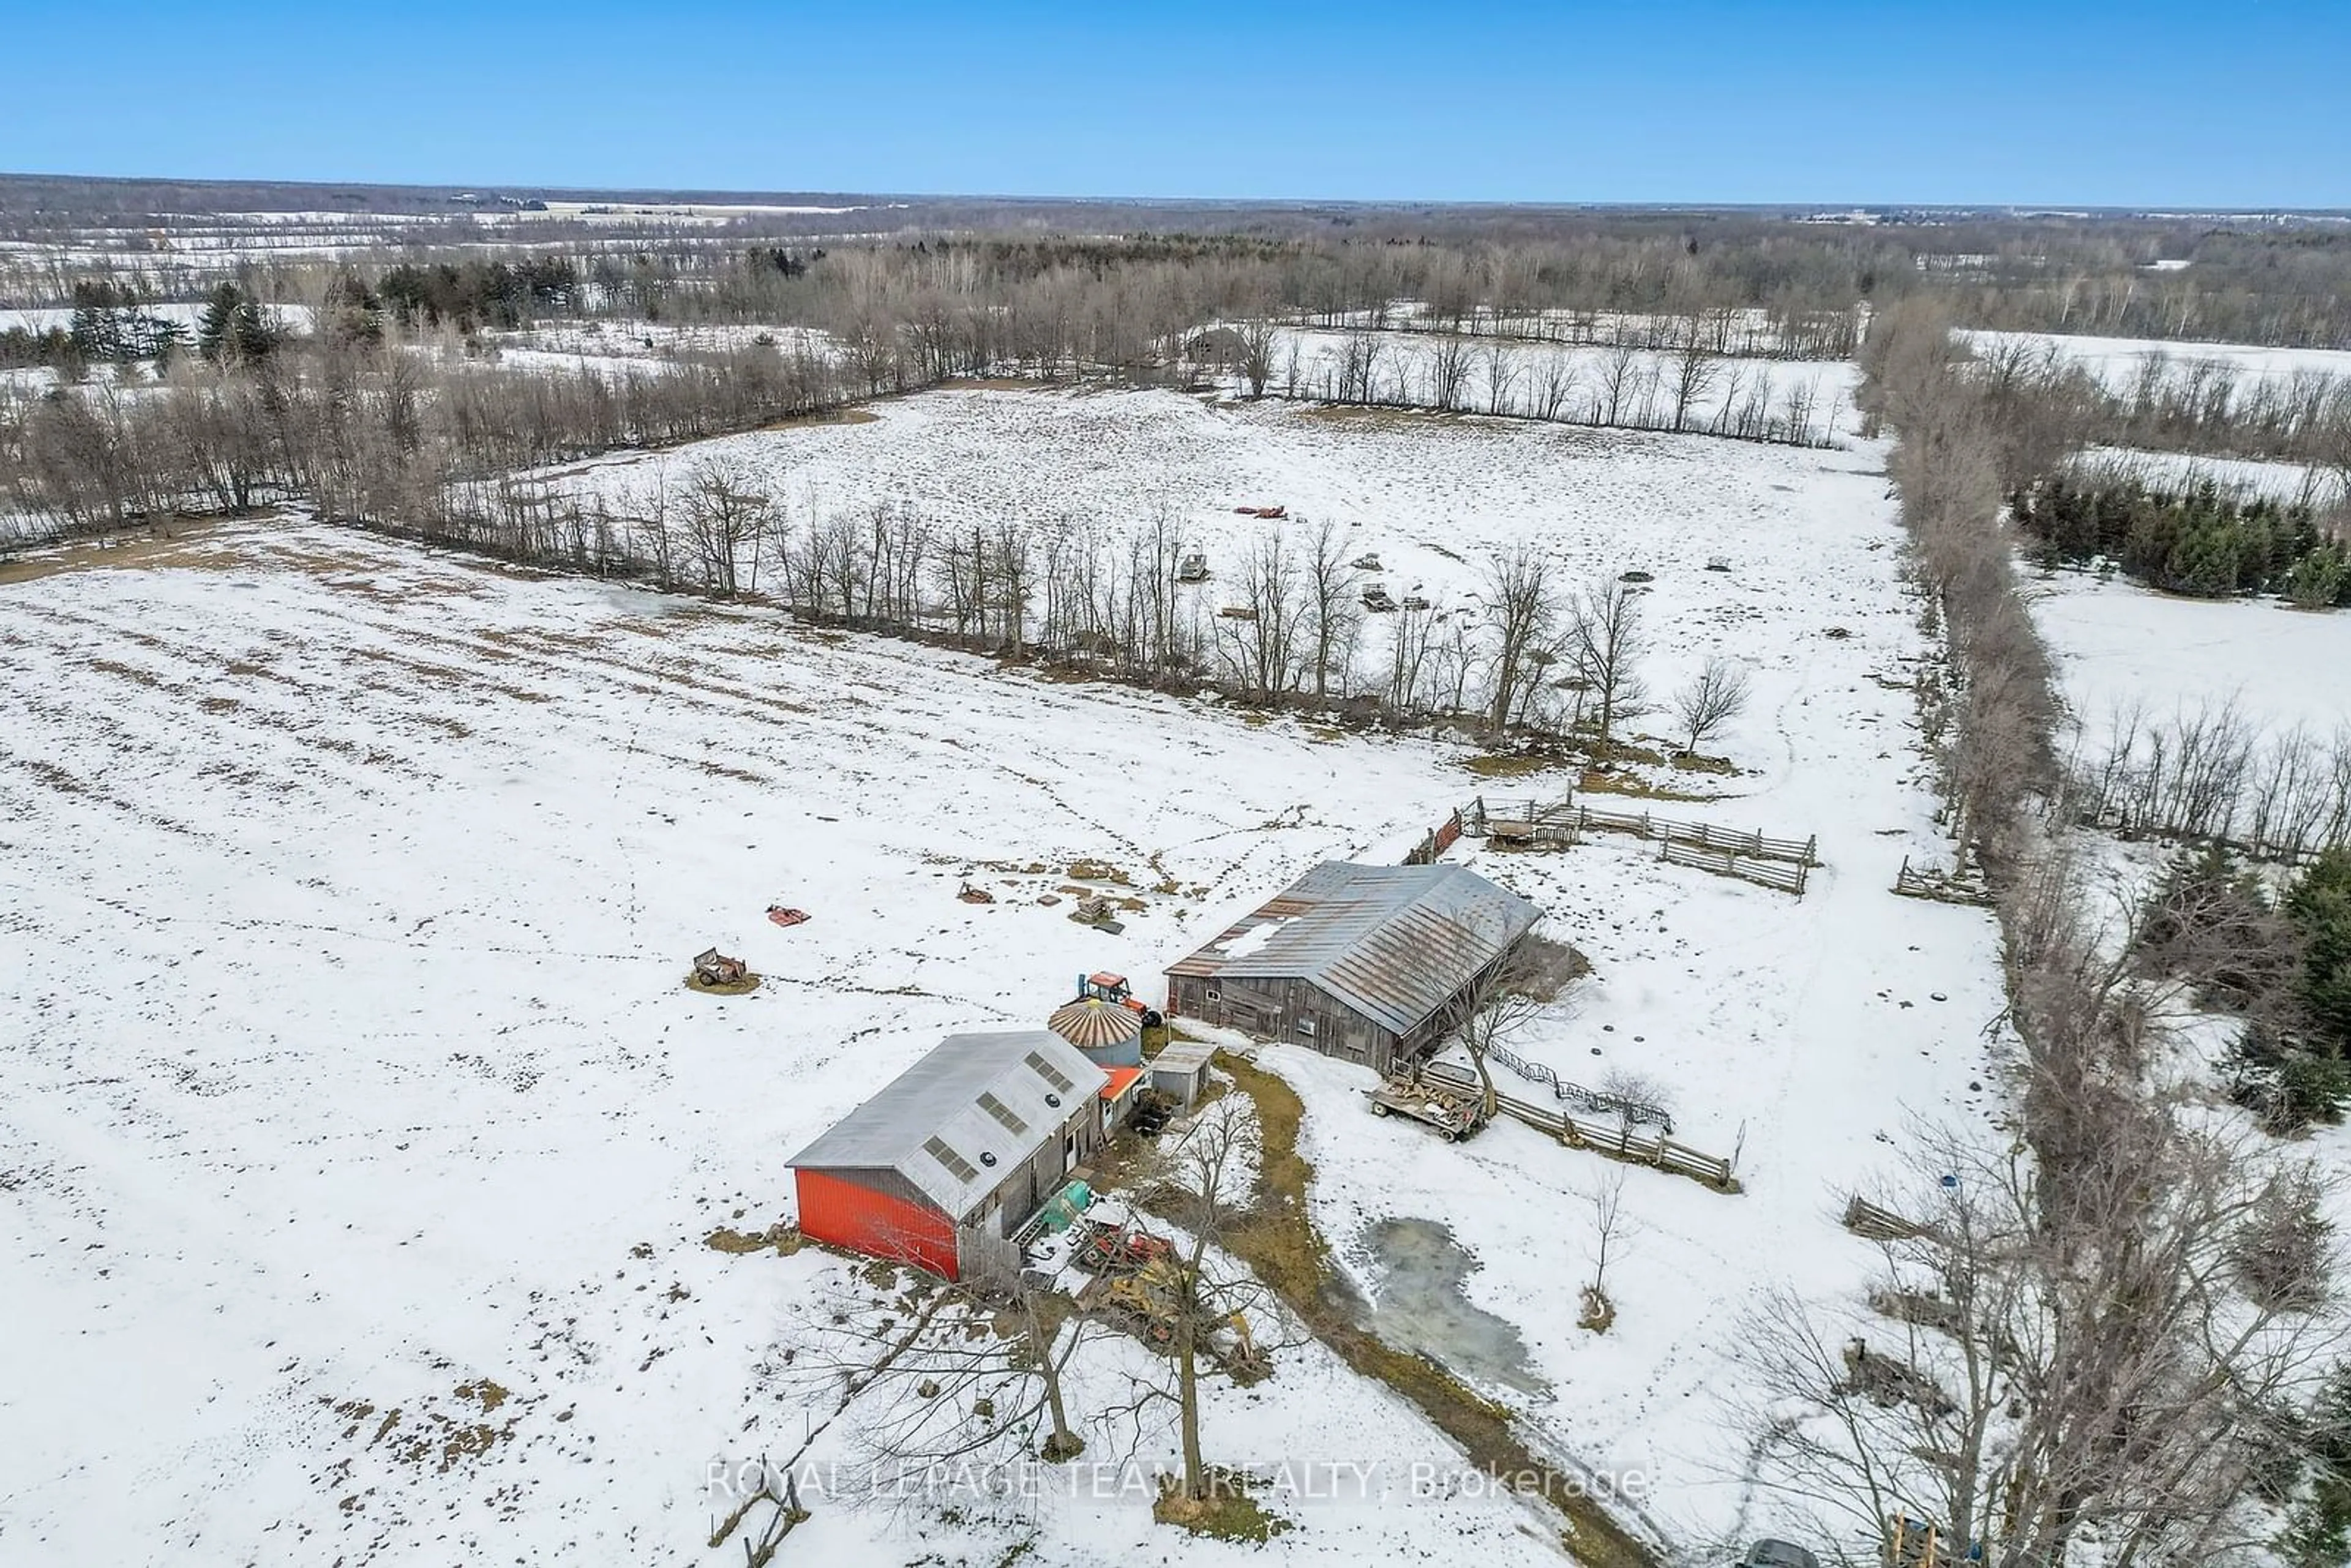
column 1361, row 962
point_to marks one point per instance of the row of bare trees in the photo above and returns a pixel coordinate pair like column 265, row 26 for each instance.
column 2094, row 1333
column 390, row 435
column 1686, row 387
column 1286, row 625
column 1961, row 447
column 2209, row 774
column 2197, row 405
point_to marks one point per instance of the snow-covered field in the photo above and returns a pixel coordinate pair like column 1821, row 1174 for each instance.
column 2120, row 362
column 2120, row 645
column 2245, row 477
column 351, row 1067
column 1578, row 382
column 1434, row 497
column 619, row 349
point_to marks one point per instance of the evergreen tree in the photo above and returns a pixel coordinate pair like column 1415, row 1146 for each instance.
column 354, row 314
column 2318, row 1529
column 2320, row 908
column 233, row 329
column 2206, row 560
column 2287, row 1086
column 2319, row 581
column 216, row 327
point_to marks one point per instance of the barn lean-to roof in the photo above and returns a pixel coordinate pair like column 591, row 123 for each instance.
column 1394, row 943
column 968, row 1094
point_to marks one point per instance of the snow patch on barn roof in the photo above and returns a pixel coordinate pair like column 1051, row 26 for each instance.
column 1392, row 942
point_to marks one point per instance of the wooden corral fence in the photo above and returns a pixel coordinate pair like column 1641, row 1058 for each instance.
column 1866, row 1219
column 1616, row 1139
column 1592, row 1100
column 1758, row 857
column 1435, row 842
column 1784, row 875
column 1538, row 825
column 1756, row 846
column 1944, row 887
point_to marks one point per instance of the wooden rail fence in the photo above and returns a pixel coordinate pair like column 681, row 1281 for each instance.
column 1782, row 863
column 1592, row 1100
column 1944, row 887
column 1435, row 842
column 1781, row 874
column 1615, row 1139
column 1865, row 1219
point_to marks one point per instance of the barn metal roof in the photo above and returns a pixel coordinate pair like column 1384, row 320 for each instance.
column 1392, row 942
column 984, row 1098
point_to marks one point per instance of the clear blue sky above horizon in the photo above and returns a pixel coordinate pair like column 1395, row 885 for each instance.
column 2070, row 102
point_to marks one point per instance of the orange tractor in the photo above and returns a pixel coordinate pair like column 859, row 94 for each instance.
column 1114, row 989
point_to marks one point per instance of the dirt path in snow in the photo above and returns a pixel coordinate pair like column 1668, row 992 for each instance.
column 1279, row 1243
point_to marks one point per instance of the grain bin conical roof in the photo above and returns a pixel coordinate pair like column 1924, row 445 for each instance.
column 1091, row 1023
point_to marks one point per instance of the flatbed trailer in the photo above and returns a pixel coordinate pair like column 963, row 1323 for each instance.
column 1451, row 1111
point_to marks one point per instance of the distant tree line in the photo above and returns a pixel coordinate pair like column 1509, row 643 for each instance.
column 2208, row 281
column 2176, row 279
column 360, row 428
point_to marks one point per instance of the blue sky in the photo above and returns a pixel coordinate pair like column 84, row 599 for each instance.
column 2226, row 103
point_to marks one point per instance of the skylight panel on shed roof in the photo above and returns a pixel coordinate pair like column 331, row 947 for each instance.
column 957, row 1166
column 1049, row 1072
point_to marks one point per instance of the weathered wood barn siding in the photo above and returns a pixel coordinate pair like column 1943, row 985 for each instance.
column 1275, row 1009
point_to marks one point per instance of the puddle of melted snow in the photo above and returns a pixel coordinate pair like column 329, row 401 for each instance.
column 1417, row 1305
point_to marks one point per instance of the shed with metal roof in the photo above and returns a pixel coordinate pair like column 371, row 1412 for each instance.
column 951, row 1157
column 1369, row 963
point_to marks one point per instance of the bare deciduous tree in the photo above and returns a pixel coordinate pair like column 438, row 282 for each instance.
column 1610, row 1230
column 1208, row 1300
column 1525, row 621
column 1449, row 371
column 1606, row 646
column 1619, row 381
column 723, row 516
column 939, row 1372
column 1714, row 696
column 2028, row 1386
column 1258, row 647
column 1694, row 371
column 1500, row 1003
column 1331, row 608
column 1257, row 340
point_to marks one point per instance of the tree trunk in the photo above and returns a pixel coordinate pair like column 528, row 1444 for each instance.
column 1187, row 1389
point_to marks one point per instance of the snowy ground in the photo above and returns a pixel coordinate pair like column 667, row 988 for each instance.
column 2118, row 363
column 1406, row 370
column 358, row 883
column 396, row 864
column 2229, row 475
column 1434, row 497
column 2119, row 646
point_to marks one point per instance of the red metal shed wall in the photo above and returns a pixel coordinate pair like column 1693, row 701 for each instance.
column 835, row 1209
